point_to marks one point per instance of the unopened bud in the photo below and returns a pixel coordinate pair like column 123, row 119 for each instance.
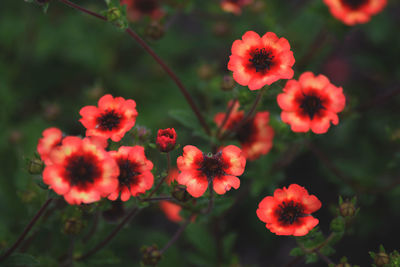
column 258, row 6
column 113, row 14
column 73, row 226
column 381, row 259
column 221, row 28
column 347, row 209
column 205, row 71
column 155, row 30
column 228, row 83
column 179, row 193
column 151, row 255
column 35, row 166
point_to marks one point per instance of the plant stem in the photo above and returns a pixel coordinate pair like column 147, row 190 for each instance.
column 154, row 199
column 177, row 234
column 26, row 231
column 162, row 179
column 99, row 246
column 246, row 118
column 148, row 49
column 211, row 200
column 227, row 115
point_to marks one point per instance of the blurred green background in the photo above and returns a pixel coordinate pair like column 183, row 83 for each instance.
column 53, row 64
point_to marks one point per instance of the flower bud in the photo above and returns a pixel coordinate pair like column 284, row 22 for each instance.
column 205, row 71
column 151, row 255
column 113, row 14
column 35, row 166
column 155, row 30
column 166, row 139
column 381, row 259
column 347, row 209
column 179, row 193
column 227, row 83
column 73, row 226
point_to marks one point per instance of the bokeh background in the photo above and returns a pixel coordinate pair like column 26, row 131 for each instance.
column 53, row 64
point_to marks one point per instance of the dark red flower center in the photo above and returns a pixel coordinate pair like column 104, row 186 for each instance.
column 311, row 104
column 354, row 4
column 261, row 59
column 109, row 120
column 127, row 172
column 145, row 6
column 245, row 132
column 212, row 165
column 289, row 212
column 82, row 170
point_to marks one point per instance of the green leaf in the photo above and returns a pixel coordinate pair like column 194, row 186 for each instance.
column 21, row 259
column 186, row 118
column 338, row 224
column 228, row 243
column 201, row 240
column 296, row 252
column 311, row 258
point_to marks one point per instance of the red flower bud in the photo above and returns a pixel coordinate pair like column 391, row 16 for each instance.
column 166, row 139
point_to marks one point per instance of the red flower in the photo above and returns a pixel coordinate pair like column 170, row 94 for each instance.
column 171, row 210
column 197, row 169
column 234, row 6
column 112, row 119
column 138, row 8
column 353, row 12
column 81, row 171
column 255, row 136
column 288, row 211
column 166, row 139
column 135, row 175
column 51, row 139
column 312, row 102
column 257, row 61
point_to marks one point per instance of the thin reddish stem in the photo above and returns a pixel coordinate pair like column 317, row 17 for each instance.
column 246, row 118
column 177, row 234
column 26, row 231
column 226, row 118
column 99, row 246
column 148, row 49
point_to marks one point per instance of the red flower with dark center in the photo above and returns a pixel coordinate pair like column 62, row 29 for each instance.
column 81, row 171
column 171, row 210
column 353, row 12
column 288, row 211
column 257, row 61
column 135, row 175
column 51, row 139
column 255, row 136
column 198, row 168
column 166, row 139
column 111, row 119
column 311, row 103
column 138, row 8
column 234, row 6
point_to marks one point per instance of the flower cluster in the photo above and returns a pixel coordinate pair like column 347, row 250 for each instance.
column 82, row 170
